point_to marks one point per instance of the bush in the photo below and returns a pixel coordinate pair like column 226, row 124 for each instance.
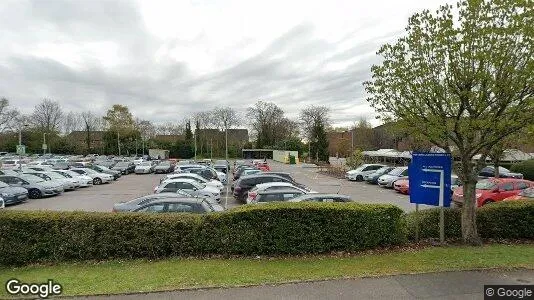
column 281, row 228
column 525, row 167
column 501, row 220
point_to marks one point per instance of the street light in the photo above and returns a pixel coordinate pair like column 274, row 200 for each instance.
column 20, row 144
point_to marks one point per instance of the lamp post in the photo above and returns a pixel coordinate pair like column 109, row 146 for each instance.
column 44, row 143
column 20, row 145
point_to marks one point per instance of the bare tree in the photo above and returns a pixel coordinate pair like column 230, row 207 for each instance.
column 170, row 128
column 8, row 116
column 91, row 123
column 71, row 121
column 47, row 116
column 226, row 118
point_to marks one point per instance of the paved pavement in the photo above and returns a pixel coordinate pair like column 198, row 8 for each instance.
column 448, row 285
column 102, row 197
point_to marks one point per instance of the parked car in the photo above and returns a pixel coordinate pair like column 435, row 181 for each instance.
column 140, row 201
column 205, row 172
column 185, row 205
column 493, row 190
column 388, row 179
column 61, row 165
column 145, row 167
column 373, row 177
column 358, row 173
column 2, row 203
column 402, row 185
column 489, row 171
column 12, row 194
column 164, row 167
column 102, row 169
column 240, row 171
column 275, row 196
column 263, row 166
column 36, row 186
column 14, row 172
column 526, row 194
column 83, row 180
column 222, row 177
column 181, row 168
column 13, row 163
column 251, row 172
column 271, row 186
column 315, row 197
column 125, row 167
column 188, row 185
column 97, row 177
column 195, row 177
column 246, row 183
column 68, row 185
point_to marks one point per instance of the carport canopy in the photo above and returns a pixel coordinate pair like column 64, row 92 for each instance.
column 257, row 153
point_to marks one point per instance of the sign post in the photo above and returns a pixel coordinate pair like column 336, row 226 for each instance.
column 430, row 183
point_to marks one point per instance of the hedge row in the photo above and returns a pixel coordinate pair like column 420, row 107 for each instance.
column 281, row 228
column 501, row 220
column 525, row 167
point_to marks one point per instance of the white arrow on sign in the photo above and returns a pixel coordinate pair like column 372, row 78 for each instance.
column 441, row 185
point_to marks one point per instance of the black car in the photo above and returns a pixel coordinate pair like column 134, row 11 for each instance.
column 244, row 184
column 207, row 173
column 12, row 194
column 124, row 167
column 489, row 171
column 373, row 177
column 141, row 201
column 240, row 170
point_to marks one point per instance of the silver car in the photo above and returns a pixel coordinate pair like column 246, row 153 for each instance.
column 387, row 180
column 36, row 186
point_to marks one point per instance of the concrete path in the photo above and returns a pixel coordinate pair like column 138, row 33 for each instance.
column 447, row 285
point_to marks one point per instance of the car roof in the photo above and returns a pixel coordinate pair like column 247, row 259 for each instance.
column 318, row 195
column 179, row 200
column 257, row 175
column 268, row 184
column 288, row 191
column 181, row 180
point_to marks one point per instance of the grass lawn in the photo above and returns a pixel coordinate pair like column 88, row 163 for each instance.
column 86, row 278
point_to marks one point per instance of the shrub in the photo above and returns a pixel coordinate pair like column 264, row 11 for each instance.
column 525, row 167
column 501, row 220
column 281, row 228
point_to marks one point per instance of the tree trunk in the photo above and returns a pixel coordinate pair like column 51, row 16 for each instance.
column 496, row 163
column 469, row 224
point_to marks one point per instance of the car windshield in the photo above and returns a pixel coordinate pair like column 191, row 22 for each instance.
column 396, row 171
column 54, row 175
column 32, row 178
column 529, row 193
column 64, row 174
column 486, row 185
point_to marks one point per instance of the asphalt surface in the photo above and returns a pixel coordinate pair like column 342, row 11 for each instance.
column 102, row 197
column 447, row 285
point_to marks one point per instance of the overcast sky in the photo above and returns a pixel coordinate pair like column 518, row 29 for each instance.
column 168, row 59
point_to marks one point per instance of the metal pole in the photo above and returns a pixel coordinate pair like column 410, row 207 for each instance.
column 44, row 143
column 195, row 134
column 441, row 225
column 226, row 141
column 118, row 143
column 417, row 222
column 352, row 141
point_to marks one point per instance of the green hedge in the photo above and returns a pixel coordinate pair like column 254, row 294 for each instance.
column 501, row 220
column 525, row 167
column 281, row 228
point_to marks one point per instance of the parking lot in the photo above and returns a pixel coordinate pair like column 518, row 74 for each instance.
column 102, row 197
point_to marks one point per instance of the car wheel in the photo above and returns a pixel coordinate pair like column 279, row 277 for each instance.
column 34, row 194
column 359, row 178
column 487, row 201
column 97, row 181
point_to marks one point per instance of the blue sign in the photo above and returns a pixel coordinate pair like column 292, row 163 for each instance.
column 430, row 179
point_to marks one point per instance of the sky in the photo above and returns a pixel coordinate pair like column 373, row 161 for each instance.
column 166, row 60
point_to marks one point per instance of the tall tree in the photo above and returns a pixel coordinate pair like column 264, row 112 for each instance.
column 269, row 125
column 47, row 116
column 70, row 122
column 461, row 79
column 226, row 118
column 90, row 122
column 314, row 120
column 121, row 128
column 8, row 116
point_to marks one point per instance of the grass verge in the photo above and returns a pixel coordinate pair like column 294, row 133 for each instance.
column 110, row 277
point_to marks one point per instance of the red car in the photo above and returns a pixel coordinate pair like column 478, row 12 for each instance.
column 402, row 186
column 493, row 190
column 263, row 166
column 526, row 194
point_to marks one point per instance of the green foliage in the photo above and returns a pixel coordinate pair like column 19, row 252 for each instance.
column 277, row 228
column 501, row 220
column 525, row 167
column 355, row 160
column 188, row 132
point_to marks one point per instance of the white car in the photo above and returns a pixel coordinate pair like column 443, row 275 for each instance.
column 358, row 173
column 2, row 203
column 389, row 179
column 222, row 177
column 197, row 178
column 272, row 186
column 13, row 163
column 83, row 180
column 145, row 167
column 98, row 178
column 67, row 185
column 74, row 182
column 172, row 185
